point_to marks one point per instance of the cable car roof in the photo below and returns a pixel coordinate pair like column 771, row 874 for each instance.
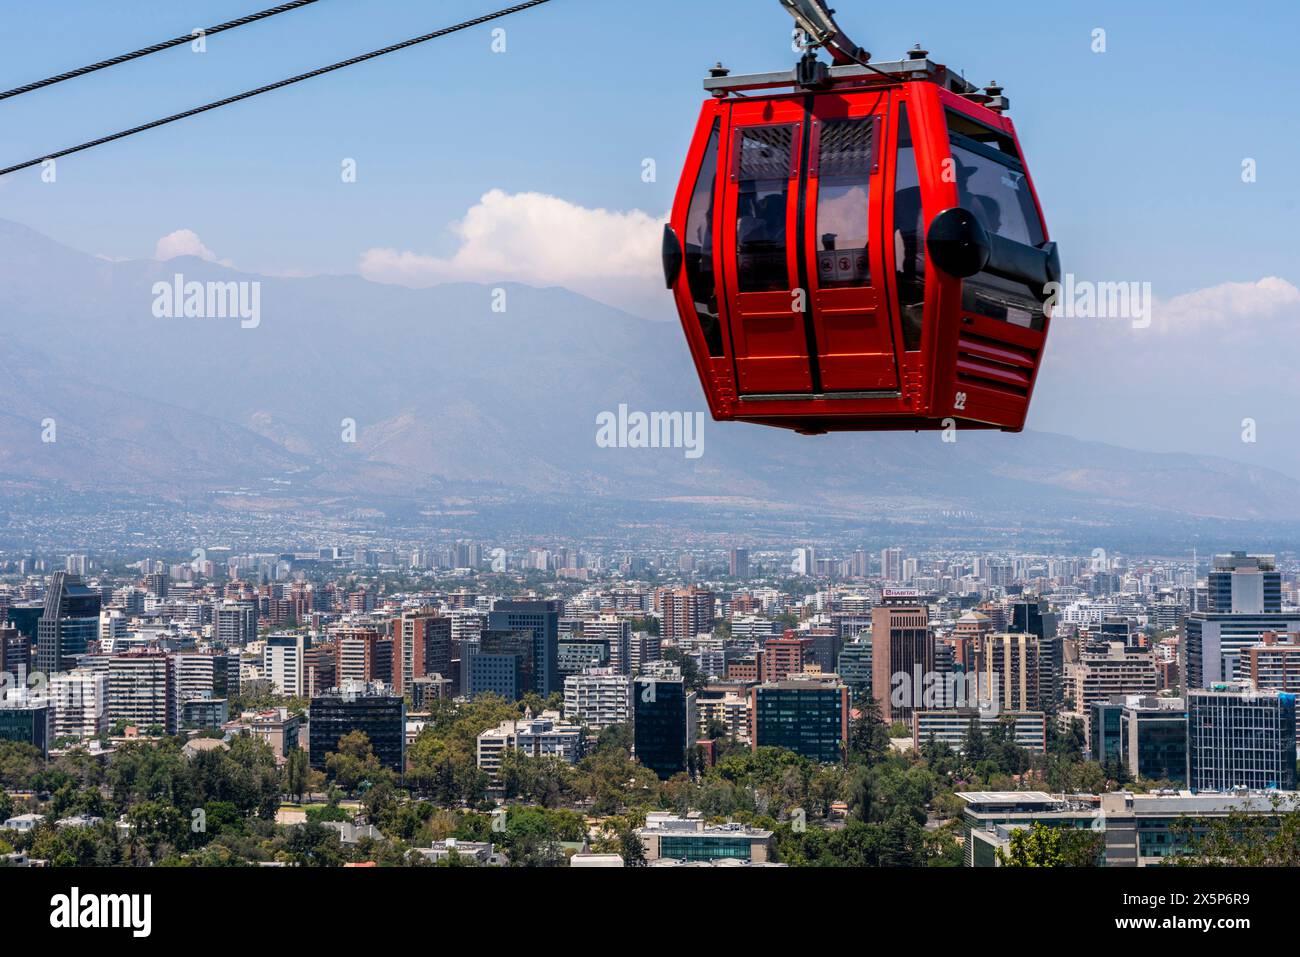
column 920, row 67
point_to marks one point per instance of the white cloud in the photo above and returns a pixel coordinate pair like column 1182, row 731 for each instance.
column 542, row 240
column 1233, row 302
column 185, row 242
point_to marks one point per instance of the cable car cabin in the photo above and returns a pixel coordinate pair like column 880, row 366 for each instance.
column 868, row 254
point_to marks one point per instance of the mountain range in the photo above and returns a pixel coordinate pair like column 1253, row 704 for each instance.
column 466, row 391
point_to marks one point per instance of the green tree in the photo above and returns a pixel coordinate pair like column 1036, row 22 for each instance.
column 1042, row 846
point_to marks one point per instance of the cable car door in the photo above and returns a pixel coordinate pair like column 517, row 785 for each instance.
column 844, row 205
column 760, row 250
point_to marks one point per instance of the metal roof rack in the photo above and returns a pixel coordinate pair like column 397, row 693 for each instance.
column 721, row 83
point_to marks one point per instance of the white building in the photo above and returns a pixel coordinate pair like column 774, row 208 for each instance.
column 284, row 664
column 544, row 736
column 80, row 703
column 598, row 698
column 616, row 632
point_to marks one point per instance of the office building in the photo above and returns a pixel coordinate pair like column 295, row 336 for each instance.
column 669, row 837
column 541, row 619
column 1031, row 616
column 664, row 723
column 616, row 632
column 854, row 666
column 371, row 709
column 1153, row 738
column 902, row 649
column 810, row 718
column 738, row 565
column 502, row 664
column 577, row 654
column 69, row 622
column 1238, row 737
column 27, row 720
column 1243, row 584
column 951, row 726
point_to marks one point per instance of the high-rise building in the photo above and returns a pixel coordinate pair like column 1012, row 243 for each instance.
column 891, row 564
column 1244, row 584
column 541, row 618
column 234, row 623
column 1009, row 667
column 502, row 664
column 142, row 691
column 664, row 723
column 686, row 613
column 1031, row 616
column 1238, row 737
column 1215, row 644
column 598, row 698
column 1105, row 675
column 80, row 700
column 364, row 656
column 1153, row 738
column 738, row 565
column 284, row 663
column 1105, row 745
column 27, row 721
column 421, row 647
column 902, row 651
column 616, row 632
column 199, row 675
column 371, row 709
column 1274, row 665
column 810, row 718
column 69, row 622
column 787, row 655
column 577, row 654
column 15, row 654
column 854, row 666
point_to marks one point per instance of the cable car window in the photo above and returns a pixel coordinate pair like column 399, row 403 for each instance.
column 763, row 184
column 843, row 185
column 700, row 277
column 909, row 237
column 991, row 183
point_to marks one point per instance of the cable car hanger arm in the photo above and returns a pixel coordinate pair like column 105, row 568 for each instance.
column 818, row 22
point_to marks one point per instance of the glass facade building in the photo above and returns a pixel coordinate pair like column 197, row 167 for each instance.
column 809, row 718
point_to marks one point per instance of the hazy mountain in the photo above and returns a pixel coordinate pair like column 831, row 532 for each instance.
column 448, row 394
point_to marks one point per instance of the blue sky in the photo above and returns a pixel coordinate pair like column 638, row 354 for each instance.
column 1136, row 151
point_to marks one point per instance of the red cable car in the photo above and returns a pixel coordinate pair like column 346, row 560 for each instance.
column 860, row 247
